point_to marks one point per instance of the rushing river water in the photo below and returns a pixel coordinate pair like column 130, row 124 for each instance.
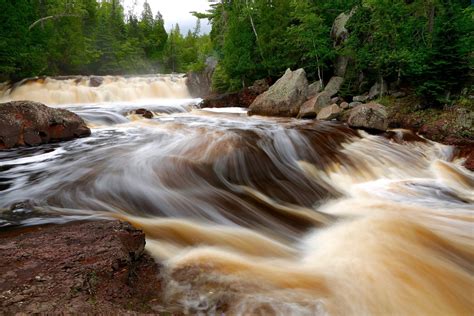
column 254, row 215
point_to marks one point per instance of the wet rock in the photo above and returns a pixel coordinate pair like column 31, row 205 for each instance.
column 106, row 264
column 371, row 116
column 145, row 113
column 330, row 112
column 360, row 98
column 284, row 98
column 333, row 86
column 311, row 108
column 95, row 81
column 243, row 98
column 378, row 89
column 314, row 89
column 221, row 101
column 26, row 123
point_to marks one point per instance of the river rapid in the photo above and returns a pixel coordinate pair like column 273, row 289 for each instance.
column 255, row 215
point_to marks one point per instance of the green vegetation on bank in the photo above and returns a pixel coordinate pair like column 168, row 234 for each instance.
column 427, row 44
column 67, row 37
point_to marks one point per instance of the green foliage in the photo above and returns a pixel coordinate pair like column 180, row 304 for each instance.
column 91, row 37
column 427, row 45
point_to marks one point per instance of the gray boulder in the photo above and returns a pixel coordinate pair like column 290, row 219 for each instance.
column 314, row 89
column 284, row 98
column 339, row 32
column 333, row 86
column 371, row 116
column 330, row 112
column 378, row 89
column 311, row 108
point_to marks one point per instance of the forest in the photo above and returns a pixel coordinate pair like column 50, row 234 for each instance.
column 68, row 37
column 427, row 44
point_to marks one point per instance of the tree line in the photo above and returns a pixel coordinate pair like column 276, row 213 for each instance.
column 67, row 37
column 427, row 44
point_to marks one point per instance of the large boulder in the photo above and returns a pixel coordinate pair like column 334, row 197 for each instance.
column 334, row 85
column 26, row 123
column 311, row 108
column 330, row 112
column 371, row 116
column 284, row 98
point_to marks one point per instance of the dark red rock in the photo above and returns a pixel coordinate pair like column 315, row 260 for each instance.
column 145, row 113
column 26, row 123
column 77, row 268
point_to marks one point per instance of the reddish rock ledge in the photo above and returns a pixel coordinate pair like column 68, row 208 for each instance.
column 77, row 268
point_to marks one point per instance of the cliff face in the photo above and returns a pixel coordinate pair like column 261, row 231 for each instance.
column 82, row 267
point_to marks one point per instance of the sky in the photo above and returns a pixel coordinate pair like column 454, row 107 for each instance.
column 175, row 11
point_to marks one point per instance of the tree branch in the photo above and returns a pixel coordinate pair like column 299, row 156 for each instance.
column 51, row 17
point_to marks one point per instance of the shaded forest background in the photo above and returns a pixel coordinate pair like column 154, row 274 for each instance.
column 426, row 44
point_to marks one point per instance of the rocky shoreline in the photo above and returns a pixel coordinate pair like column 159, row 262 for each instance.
column 97, row 267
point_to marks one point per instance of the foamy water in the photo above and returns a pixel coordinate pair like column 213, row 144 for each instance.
column 262, row 216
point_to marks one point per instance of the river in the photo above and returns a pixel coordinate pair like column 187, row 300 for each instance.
column 255, row 215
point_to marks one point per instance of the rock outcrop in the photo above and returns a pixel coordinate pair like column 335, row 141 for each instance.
column 371, row 116
column 243, row 98
column 26, row 123
column 77, row 268
column 199, row 83
column 284, row 98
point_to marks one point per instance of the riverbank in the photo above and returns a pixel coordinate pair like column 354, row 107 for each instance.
column 97, row 267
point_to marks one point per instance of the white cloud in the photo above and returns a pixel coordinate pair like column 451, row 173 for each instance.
column 175, row 11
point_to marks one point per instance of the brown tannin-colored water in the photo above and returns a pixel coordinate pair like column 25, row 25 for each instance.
column 259, row 216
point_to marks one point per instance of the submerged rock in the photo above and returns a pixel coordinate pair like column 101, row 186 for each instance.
column 284, row 98
column 95, row 81
column 371, row 116
column 26, row 123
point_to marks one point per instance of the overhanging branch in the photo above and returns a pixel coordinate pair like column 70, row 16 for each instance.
column 51, row 17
